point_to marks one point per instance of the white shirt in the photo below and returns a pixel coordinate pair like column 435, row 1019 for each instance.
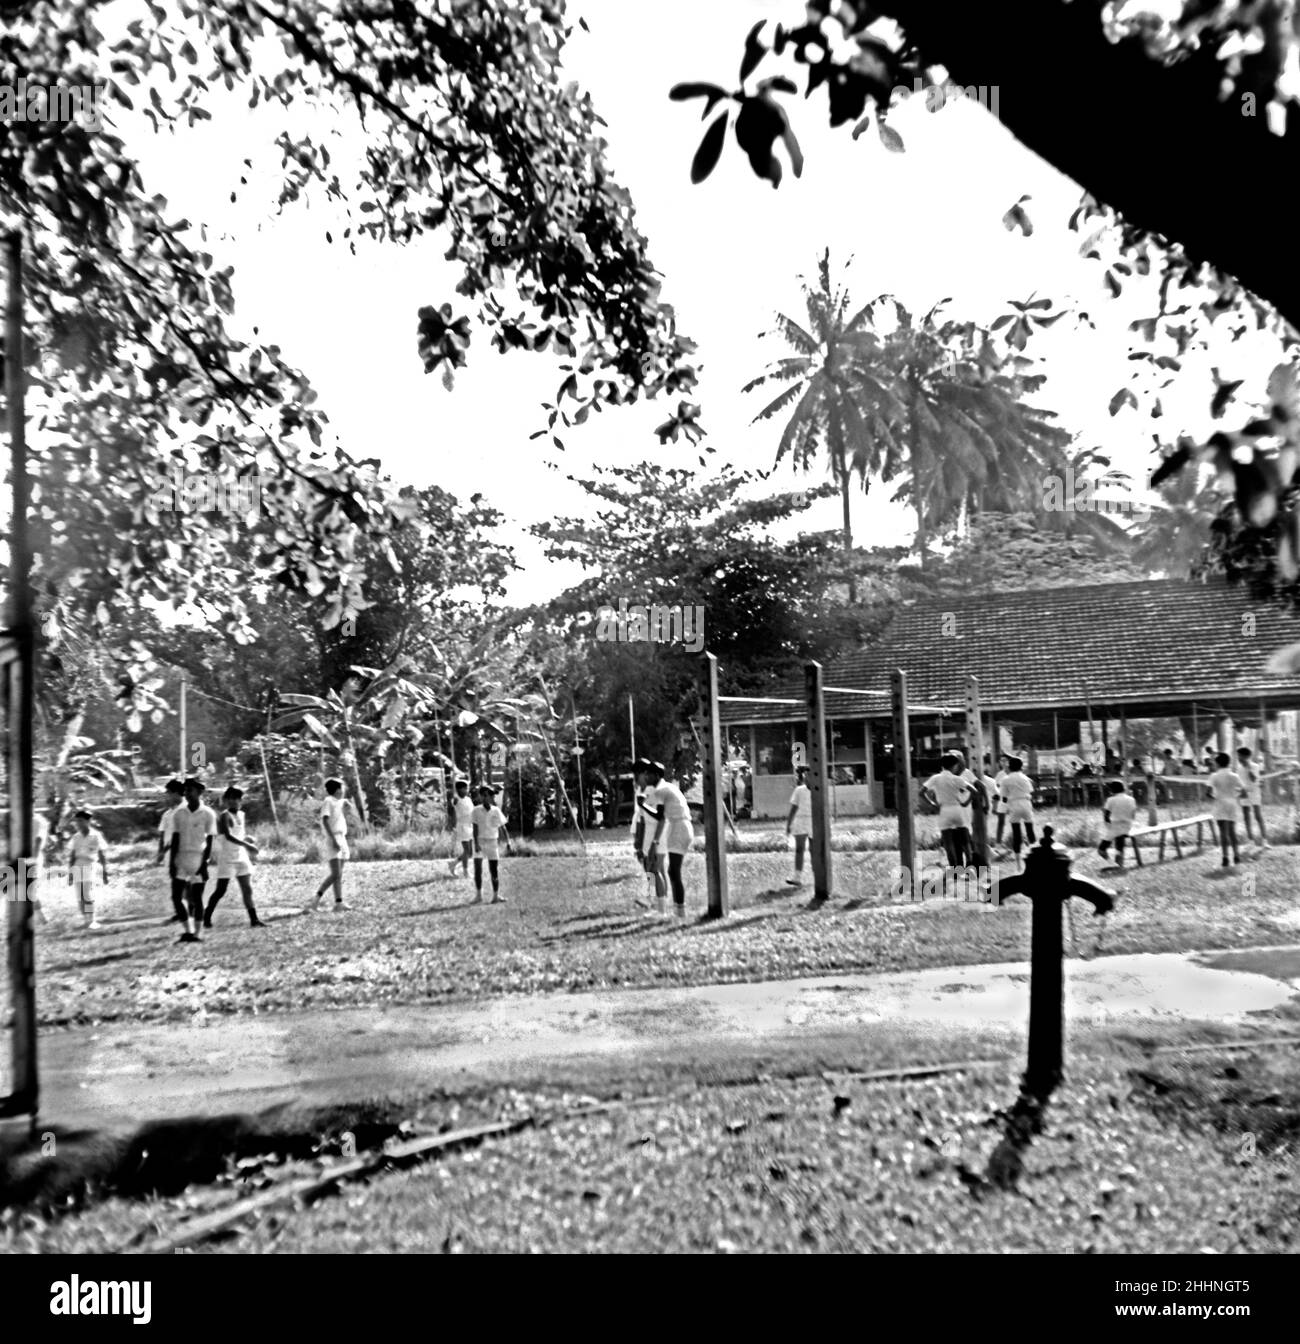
column 952, row 791
column 667, row 795
column 1121, row 808
column 487, row 822
column 1225, row 789
column 85, row 849
column 193, row 828
column 165, row 822
column 229, row 854
column 1016, row 787
column 801, row 801
column 464, row 811
column 334, row 810
column 1249, row 774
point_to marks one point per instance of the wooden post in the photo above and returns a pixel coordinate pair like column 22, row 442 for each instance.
column 1151, row 798
column 19, row 709
column 975, row 747
column 818, row 784
column 1056, row 758
column 903, row 780
column 715, row 840
column 184, row 772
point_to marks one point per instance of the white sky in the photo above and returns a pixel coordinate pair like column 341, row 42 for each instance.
column 922, row 225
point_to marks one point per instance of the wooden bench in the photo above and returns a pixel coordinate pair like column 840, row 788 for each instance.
column 1170, row 829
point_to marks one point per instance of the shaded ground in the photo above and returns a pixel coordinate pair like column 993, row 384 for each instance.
column 571, row 925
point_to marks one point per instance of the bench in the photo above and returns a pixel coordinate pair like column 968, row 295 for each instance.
column 1170, row 829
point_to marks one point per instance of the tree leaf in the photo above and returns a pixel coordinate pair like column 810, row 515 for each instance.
column 679, row 93
column 710, row 150
column 754, row 51
column 890, row 138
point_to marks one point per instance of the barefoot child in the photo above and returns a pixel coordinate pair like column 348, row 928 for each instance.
column 1001, row 808
column 1226, row 790
column 489, row 834
column 643, row 840
column 175, row 801
column 799, row 823
column 193, row 829
column 1017, row 791
column 334, row 825
column 1253, row 801
column 88, row 848
column 463, row 811
column 1118, row 815
column 950, row 793
column 234, row 857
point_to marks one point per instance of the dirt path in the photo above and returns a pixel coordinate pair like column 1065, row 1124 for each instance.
column 127, row 1073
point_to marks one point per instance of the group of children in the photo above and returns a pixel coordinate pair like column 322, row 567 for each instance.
column 481, row 832
column 1009, row 796
column 662, row 835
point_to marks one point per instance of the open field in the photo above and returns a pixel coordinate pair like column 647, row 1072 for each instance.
column 571, row 924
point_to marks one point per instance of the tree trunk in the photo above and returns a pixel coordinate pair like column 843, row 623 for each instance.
column 847, row 531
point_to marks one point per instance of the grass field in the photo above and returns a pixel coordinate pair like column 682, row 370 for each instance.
column 1186, row 1154
column 571, row 924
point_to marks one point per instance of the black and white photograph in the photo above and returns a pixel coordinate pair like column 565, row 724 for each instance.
column 650, row 630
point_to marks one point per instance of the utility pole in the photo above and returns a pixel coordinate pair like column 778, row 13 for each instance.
column 18, row 674
column 184, row 744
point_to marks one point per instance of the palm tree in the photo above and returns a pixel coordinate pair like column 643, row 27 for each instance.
column 834, row 400
column 1177, row 533
column 958, row 428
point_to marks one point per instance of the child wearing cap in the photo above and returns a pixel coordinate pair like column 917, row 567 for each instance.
column 88, row 847
column 489, row 834
column 234, row 857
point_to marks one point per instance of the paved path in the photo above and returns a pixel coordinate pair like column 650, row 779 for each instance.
column 127, row 1073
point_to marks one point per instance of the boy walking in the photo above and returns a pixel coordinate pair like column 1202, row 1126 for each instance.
column 463, row 817
column 1118, row 815
column 1017, row 791
column 489, row 834
column 1226, row 790
column 334, row 825
column 951, row 793
column 799, row 823
column 1253, row 801
column 194, row 828
column 175, row 801
column 234, row 857
column 88, row 848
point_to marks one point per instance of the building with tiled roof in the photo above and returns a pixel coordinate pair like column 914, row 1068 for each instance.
column 1047, row 661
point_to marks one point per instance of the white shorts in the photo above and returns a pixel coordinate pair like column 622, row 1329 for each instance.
column 1116, row 830
column 341, row 853
column 1225, row 810
column 228, row 868
column 678, row 837
column 490, row 850
column 464, row 835
column 1254, row 799
column 952, row 815
column 187, row 867
column 1020, row 812
column 802, row 835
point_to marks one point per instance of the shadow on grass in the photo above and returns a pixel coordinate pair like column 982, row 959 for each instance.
column 643, row 926
column 105, row 960
column 438, row 909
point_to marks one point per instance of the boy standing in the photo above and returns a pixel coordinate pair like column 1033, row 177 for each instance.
column 463, row 816
column 1018, row 793
column 799, row 823
column 193, row 829
column 334, row 824
column 643, row 838
column 88, row 848
column 489, row 834
column 1226, row 789
column 672, row 833
column 175, row 801
column 234, row 857
column 950, row 793
column 1118, row 815
column 1249, row 773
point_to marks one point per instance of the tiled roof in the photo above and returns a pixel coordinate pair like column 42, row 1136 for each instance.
column 1158, row 645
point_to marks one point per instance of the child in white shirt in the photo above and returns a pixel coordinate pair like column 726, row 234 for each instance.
column 489, row 834
column 334, row 824
column 234, row 857
column 1017, row 791
column 463, row 812
column 1253, row 801
column 175, row 800
column 88, row 848
column 1226, row 790
column 799, row 823
column 950, row 793
column 1118, row 815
